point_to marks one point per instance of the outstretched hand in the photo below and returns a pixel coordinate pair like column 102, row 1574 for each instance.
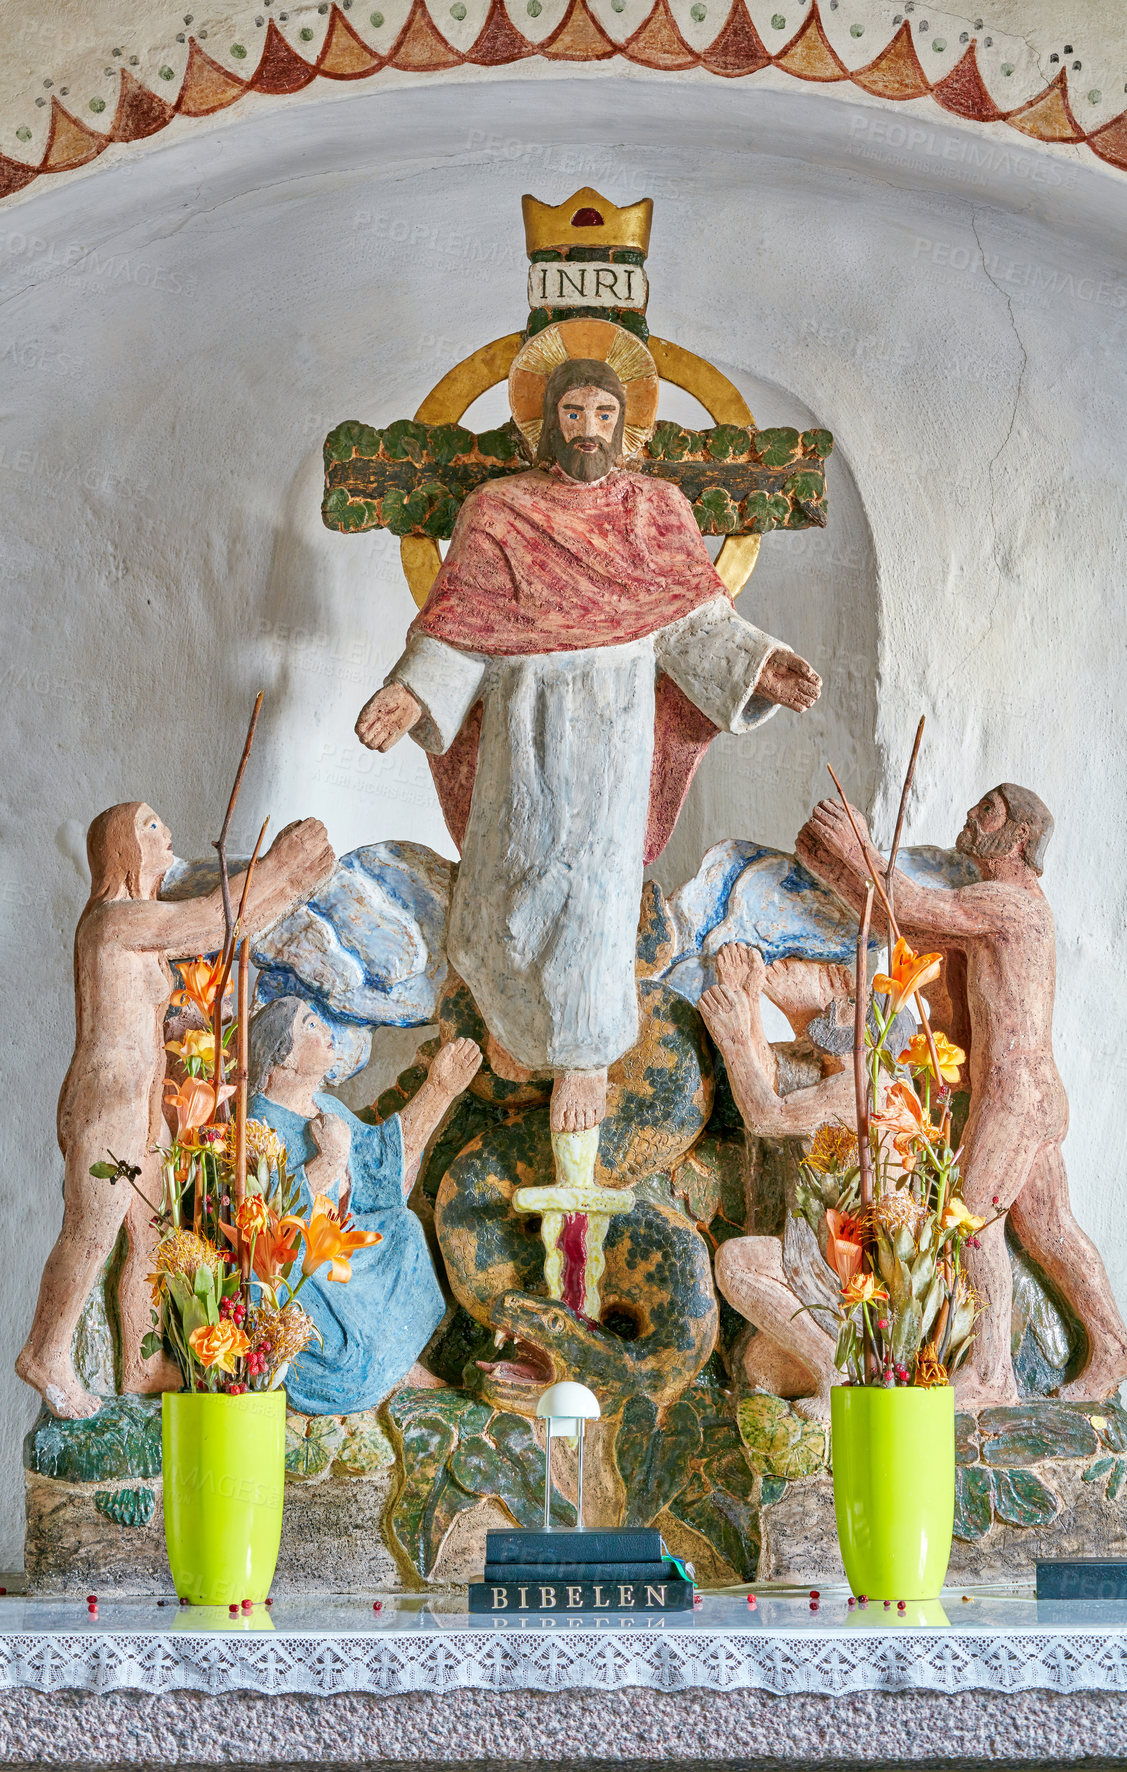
column 789, row 681
column 826, row 842
column 387, row 716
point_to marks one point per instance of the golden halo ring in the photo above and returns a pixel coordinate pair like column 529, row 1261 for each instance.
column 613, row 345
column 450, row 398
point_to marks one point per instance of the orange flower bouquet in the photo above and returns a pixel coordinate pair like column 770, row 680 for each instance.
column 886, row 1202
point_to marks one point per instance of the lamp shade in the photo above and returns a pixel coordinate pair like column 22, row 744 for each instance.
column 569, row 1402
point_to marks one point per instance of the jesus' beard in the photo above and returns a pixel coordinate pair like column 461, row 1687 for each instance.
column 585, row 464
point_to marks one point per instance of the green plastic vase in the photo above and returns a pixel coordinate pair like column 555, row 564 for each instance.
column 893, row 1455
column 224, row 1476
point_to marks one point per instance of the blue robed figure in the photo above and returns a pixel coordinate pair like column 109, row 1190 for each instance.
column 374, row 1326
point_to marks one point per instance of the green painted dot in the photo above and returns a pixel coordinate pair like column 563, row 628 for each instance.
column 939, row 44
column 458, row 11
column 97, row 104
column 618, row 5
column 778, row 21
column 698, row 13
column 534, row 8
column 376, row 19
column 238, row 49
column 165, row 73
column 23, row 134
column 856, row 30
column 1095, row 96
column 1007, row 67
column 306, row 34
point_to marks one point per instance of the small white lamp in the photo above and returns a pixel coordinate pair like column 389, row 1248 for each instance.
column 565, row 1407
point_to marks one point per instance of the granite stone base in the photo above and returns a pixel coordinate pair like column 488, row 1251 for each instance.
column 631, row 1727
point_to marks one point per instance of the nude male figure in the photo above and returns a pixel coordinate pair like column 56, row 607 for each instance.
column 793, row 1354
column 112, row 1098
column 1012, row 1161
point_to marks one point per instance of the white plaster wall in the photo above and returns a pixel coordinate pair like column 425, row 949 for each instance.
column 179, row 331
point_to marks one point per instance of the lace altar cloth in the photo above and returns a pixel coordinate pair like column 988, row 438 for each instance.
column 417, row 1643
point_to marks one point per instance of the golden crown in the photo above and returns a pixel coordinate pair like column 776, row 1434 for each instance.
column 586, row 219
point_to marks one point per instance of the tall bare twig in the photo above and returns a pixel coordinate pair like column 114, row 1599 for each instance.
column 220, row 846
column 894, row 927
column 900, row 816
column 241, row 1092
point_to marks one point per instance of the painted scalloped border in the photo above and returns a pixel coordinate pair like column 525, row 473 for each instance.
column 736, row 52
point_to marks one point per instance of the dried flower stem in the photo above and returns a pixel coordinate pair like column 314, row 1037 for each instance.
column 900, row 816
column 241, row 1092
column 861, row 1088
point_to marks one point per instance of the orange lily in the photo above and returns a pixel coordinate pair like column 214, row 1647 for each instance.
column 862, row 1289
column 218, row 1344
column 195, row 1103
column 328, row 1240
column 201, row 982
column 910, row 972
column 843, row 1245
column 950, row 1056
column 274, row 1248
column 903, row 1116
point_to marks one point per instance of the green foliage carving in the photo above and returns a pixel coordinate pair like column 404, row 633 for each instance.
column 779, row 1441
column 126, row 1507
column 311, row 1442
column 122, row 1440
column 412, row 478
column 974, row 1502
column 690, row 1460
column 455, row 1452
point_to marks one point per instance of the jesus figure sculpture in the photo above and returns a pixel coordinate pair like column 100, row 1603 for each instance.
column 576, row 654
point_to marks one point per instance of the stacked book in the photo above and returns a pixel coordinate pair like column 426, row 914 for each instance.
column 581, row 1571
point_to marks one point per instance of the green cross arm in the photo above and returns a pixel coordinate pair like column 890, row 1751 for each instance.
column 411, row 478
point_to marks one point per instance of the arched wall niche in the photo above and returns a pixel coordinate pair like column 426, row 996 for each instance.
column 183, row 326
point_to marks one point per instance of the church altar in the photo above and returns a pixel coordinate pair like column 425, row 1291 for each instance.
column 990, row 1673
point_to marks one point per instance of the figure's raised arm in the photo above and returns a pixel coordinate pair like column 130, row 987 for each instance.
column 826, row 845
column 299, row 860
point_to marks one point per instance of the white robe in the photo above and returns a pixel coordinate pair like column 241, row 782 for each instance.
column 543, row 922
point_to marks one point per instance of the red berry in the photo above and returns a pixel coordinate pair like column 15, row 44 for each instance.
column 814, row 1594
column 91, row 1599
column 882, row 1322
column 752, row 1602
column 887, row 1604
column 864, row 1599
column 901, row 1605
column 183, row 1601
column 377, row 1605
column 247, row 1605
column 234, row 1607
column 852, row 1601
column 269, row 1599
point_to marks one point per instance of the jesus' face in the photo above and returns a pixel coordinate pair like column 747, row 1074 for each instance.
column 588, row 420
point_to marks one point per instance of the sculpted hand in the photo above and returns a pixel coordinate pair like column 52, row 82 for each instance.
column 789, row 681
column 391, row 712
column 727, row 1016
column 334, row 1140
column 304, row 853
column 826, row 841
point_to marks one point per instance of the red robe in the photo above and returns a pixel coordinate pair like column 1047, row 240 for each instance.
column 541, row 563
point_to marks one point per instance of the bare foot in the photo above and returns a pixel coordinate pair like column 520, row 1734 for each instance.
column 1099, row 1379
column 454, row 1066
column 740, row 967
column 60, row 1389
column 815, row 1408
column 727, row 1016
column 503, row 1065
column 155, row 1375
column 973, row 1394
column 579, row 1101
